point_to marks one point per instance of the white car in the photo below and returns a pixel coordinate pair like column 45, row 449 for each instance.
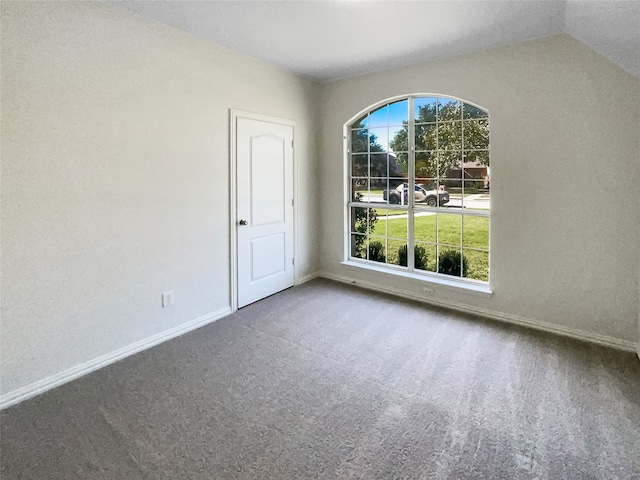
column 430, row 197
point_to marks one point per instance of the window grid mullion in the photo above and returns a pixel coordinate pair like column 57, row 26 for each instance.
column 461, row 237
column 368, row 235
column 437, row 242
column 462, row 265
column 437, row 182
column 368, row 171
column 411, row 185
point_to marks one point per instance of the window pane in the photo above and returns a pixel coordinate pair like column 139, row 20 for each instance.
column 398, row 139
column 396, row 168
column 428, row 183
column 449, row 230
column 424, row 227
column 473, row 170
column 363, row 221
column 453, row 185
column 394, row 194
column 379, row 117
column 377, row 225
column 475, row 232
column 359, row 220
column 426, row 137
column 402, row 159
column 378, row 164
column 444, row 196
column 364, row 195
column 425, row 257
column 477, row 265
column 378, row 222
column 454, row 190
column 394, row 247
column 359, row 189
column 476, row 196
column 378, row 190
column 434, row 193
column 449, row 161
column 474, row 186
column 450, row 136
column 476, row 134
column 359, row 141
column 377, row 186
column 425, row 109
column 428, row 194
column 379, row 139
column 426, row 164
column 396, row 221
column 469, row 111
column 398, row 112
column 397, row 224
column 450, row 261
column 357, row 246
column 377, row 250
column 359, row 165
column 449, row 109
column 396, row 183
column 479, row 157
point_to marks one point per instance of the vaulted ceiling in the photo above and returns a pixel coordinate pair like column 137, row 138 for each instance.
column 326, row 40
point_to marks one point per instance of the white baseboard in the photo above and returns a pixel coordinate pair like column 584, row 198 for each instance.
column 503, row 317
column 306, row 278
column 41, row 386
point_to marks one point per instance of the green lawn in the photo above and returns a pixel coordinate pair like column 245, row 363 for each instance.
column 449, row 230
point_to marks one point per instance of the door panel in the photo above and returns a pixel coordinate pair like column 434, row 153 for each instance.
column 267, row 256
column 267, row 197
column 264, row 153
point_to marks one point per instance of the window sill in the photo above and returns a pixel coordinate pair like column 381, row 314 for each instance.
column 471, row 287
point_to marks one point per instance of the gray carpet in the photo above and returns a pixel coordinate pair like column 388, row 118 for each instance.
column 326, row 381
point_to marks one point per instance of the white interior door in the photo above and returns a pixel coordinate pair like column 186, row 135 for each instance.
column 264, row 155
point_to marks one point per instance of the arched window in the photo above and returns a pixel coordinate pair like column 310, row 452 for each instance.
column 419, row 188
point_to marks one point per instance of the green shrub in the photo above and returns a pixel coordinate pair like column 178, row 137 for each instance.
column 419, row 257
column 362, row 224
column 376, row 252
column 450, row 261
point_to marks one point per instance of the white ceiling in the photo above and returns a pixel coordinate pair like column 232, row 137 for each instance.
column 326, row 40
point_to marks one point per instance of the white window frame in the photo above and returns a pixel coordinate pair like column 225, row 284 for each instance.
column 478, row 287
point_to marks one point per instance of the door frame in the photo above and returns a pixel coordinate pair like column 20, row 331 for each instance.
column 234, row 115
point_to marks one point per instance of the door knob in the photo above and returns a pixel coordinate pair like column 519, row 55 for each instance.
column 243, row 222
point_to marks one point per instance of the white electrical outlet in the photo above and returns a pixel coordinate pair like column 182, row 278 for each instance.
column 167, row 299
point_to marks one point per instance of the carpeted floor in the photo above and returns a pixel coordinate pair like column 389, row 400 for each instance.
column 326, row 381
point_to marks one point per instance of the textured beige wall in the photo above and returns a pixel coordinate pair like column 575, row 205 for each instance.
column 115, row 167
column 115, row 174
column 565, row 179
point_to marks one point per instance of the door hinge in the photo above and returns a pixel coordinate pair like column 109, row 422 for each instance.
column 291, row 143
column 293, row 261
column 292, row 202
